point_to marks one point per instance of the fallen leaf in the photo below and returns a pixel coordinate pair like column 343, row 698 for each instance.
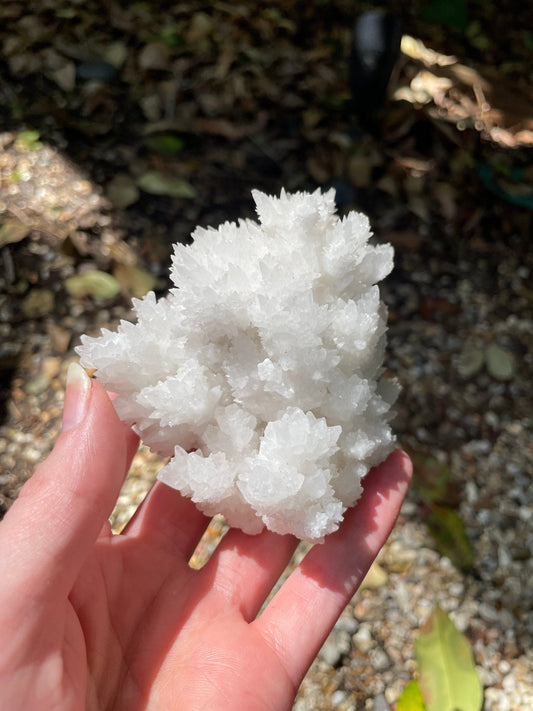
column 28, row 139
column 200, row 28
column 470, row 361
column 157, row 183
column 448, row 677
column 312, row 116
column 411, row 699
column 432, row 480
column 39, row 302
column 155, row 55
column 170, row 35
column 430, row 307
column 116, row 53
column 447, row 528
column 134, row 281
column 22, row 65
column 122, row 190
column 13, row 230
column 500, row 363
column 416, row 49
column 65, row 76
column 166, row 143
column 230, row 130
column 151, row 106
column 446, row 195
column 94, row 283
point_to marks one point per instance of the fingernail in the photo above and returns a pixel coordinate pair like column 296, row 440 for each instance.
column 76, row 396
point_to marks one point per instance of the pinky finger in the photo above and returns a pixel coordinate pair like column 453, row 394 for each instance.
column 300, row 616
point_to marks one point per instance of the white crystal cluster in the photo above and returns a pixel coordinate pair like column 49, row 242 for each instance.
column 258, row 375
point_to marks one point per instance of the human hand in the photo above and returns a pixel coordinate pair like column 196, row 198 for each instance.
column 98, row 621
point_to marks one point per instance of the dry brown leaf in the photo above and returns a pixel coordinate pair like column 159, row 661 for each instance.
column 489, row 103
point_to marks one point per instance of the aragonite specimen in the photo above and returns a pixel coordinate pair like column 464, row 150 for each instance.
column 259, row 374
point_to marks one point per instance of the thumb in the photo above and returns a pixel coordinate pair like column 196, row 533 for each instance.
column 60, row 511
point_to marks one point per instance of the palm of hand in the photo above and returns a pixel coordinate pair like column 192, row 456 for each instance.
column 163, row 636
column 93, row 620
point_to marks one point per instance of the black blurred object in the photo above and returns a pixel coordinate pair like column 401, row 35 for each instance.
column 376, row 39
column 96, row 70
column 345, row 195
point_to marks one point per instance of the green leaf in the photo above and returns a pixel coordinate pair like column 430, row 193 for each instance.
column 171, row 36
column 500, row 363
column 451, row 13
column 448, row 678
column 28, row 139
column 449, row 533
column 98, row 284
column 157, row 183
column 411, row 699
column 432, row 479
column 165, row 143
column 527, row 39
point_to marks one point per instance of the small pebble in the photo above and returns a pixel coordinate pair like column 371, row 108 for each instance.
column 363, row 638
column 51, row 367
column 337, row 697
column 37, row 385
column 335, row 647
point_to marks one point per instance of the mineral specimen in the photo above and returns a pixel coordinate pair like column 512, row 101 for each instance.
column 259, row 375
